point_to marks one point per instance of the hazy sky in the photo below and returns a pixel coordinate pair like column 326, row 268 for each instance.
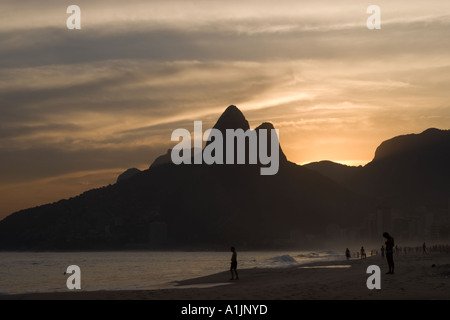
column 78, row 107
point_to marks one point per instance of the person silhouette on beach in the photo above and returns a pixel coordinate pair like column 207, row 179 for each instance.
column 347, row 253
column 234, row 264
column 389, row 252
column 382, row 252
column 424, row 248
column 363, row 253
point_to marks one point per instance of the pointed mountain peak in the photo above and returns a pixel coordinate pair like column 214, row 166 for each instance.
column 269, row 127
column 232, row 118
column 232, row 108
column 265, row 125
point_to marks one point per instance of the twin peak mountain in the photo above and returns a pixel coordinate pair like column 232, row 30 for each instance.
column 232, row 119
column 215, row 206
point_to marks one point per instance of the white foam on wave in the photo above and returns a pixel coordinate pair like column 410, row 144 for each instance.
column 339, row 266
column 293, row 259
column 320, row 254
column 284, row 259
column 310, row 255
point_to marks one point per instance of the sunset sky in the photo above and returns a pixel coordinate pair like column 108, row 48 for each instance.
column 78, row 107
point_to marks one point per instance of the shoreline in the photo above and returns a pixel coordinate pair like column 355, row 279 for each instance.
column 415, row 278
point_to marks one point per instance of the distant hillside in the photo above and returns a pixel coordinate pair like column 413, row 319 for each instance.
column 412, row 169
column 129, row 173
column 335, row 171
column 169, row 206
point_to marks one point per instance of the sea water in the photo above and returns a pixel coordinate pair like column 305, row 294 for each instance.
column 29, row 272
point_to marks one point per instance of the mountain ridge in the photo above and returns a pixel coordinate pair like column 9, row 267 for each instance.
column 170, row 206
column 186, row 205
column 407, row 166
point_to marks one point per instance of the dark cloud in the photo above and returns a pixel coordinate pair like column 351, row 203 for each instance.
column 119, row 90
column 48, row 46
column 36, row 163
column 10, row 131
column 21, row 101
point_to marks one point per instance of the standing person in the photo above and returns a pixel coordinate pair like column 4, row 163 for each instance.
column 347, row 253
column 389, row 252
column 234, row 264
column 424, row 248
column 382, row 252
column 363, row 253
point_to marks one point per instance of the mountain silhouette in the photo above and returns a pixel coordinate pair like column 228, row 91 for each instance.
column 127, row 174
column 232, row 118
column 408, row 170
column 186, row 206
column 411, row 168
column 210, row 206
column 335, row 171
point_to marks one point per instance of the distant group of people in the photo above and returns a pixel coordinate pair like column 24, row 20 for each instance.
column 390, row 248
column 443, row 248
column 361, row 252
column 388, row 251
column 407, row 250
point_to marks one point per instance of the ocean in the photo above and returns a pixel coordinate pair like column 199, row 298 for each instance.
column 30, row 272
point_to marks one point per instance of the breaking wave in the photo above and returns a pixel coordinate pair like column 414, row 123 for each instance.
column 283, row 260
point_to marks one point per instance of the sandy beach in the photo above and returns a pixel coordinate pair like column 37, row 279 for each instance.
column 415, row 278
